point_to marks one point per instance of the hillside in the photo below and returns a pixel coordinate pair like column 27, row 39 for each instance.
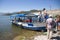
column 54, row 12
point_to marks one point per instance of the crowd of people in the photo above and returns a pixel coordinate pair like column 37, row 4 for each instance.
column 51, row 23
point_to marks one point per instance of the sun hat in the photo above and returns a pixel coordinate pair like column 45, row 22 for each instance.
column 50, row 15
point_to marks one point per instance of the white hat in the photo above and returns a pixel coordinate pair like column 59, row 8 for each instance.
column 50, row 15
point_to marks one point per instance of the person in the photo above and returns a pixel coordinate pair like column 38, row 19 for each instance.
column 30, row 20
column 20, row 20
column 40, row 17
column 58, row 22
column 44, row 15
column 15, row 19
column 49, row 27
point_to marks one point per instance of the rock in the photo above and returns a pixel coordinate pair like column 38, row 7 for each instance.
column 40, row 37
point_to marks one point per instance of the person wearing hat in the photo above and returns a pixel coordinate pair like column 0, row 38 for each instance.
column 49, row 27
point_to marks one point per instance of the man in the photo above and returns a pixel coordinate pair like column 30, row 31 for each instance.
column 44, row 15
column 49, row 26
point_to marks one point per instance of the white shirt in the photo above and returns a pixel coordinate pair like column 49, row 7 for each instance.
column 48, row 21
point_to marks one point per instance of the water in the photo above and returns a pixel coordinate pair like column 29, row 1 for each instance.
column 9, row 31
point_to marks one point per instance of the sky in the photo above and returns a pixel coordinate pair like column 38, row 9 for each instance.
column 26, row 5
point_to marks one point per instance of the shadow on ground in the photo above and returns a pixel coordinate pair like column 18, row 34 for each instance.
column 57, row 38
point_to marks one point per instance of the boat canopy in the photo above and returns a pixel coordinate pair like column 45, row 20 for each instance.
column 20, row 15
column 23, row 15
column 17, row 16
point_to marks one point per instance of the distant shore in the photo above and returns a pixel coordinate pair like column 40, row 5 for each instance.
column 53, row 12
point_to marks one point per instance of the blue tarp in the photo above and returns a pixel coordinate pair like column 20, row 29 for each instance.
column 17, row 16
column 20, row 15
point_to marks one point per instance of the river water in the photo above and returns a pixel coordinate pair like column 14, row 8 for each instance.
column 9, row 31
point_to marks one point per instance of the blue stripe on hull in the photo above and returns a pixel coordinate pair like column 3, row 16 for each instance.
column 35, row 28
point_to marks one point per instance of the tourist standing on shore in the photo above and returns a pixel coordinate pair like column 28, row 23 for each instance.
column 58, row 22
column 49, row 27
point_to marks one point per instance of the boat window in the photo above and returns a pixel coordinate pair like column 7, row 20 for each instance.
column 26, row 19
column 31, row 19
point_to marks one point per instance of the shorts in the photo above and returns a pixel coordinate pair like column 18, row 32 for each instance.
column 52, row 29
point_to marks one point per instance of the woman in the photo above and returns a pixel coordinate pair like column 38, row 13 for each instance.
column 58, row 22
column 49, row 27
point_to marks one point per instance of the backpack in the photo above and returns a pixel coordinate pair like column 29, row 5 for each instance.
column 53, row 24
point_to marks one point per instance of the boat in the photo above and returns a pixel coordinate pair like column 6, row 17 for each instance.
column 28, row 21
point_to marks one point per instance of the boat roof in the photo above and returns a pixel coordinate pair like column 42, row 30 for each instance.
column 31, row 15
column 23, row 15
